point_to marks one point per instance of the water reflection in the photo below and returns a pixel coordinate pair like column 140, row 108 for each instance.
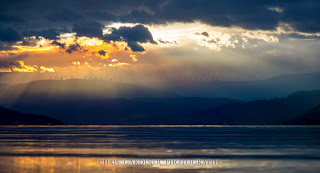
column 239, row 148
column 89, row 165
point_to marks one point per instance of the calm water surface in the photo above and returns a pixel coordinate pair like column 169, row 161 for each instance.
column 74, row 149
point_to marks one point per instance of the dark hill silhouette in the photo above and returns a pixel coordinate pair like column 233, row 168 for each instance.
column 190, row 104
column 312, row 117
column 273, row 111
column 171, row 110
column 105, row 102
column 116, row 110
column 10, row 117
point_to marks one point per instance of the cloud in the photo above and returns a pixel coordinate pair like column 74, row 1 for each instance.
column 258, row 21
column 19, row 66
column 167, row 43
column 89, row 29
column 134, row 36
column 135, row 46
column 270, row 38
column 8, row 37
column 29, row 41
column 204, row 34
column 276, row 9
column 45, row 69
column 303, row 36
column 51, row 33
column 73, row 47
column 63, row 14
column 102, row 52
column 9, row 34
column 6, row 45
column 134, row 58
column 248, row 14
column 5, row 64
column 216, row 41
column 56, row 43
column 263, row 15
column 303, row 15
column 76, row 63
column 245, row 14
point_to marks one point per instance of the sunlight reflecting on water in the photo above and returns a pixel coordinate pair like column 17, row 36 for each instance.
column 237, row 148
column 86, row 165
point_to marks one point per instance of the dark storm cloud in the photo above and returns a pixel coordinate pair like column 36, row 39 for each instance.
column 56, row 43
column 135, row 47
column 9, row 34
column 102, row 52
column 51, row 34
column 138, row 33
column 12, row 61
column 15, row 64
column 73, row 47
column 246, row 13
column 8, row 37
column 132, row 35
column 64, row 15
column 88, row 29
column 44, row 17
column 6, row 45
column 303, row 15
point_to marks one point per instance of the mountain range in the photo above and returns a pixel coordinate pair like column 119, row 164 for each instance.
column 277, row 86
column 10, row 117
column 273, row 87
column 272, row 111
column 311, row 117
column 104, row 102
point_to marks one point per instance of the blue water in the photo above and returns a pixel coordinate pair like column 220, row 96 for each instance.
column 233, row 148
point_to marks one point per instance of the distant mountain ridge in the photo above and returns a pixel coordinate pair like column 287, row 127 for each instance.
column 311, row 117
column 10, row 117
column 174, row 110
column 116, row 110
column 104, row 102
column 273, row 111
column 277, row 86
column 273, row 87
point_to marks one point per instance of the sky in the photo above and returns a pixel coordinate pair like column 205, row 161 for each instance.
column 160, row 39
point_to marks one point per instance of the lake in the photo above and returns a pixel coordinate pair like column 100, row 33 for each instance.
column 203, row 149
